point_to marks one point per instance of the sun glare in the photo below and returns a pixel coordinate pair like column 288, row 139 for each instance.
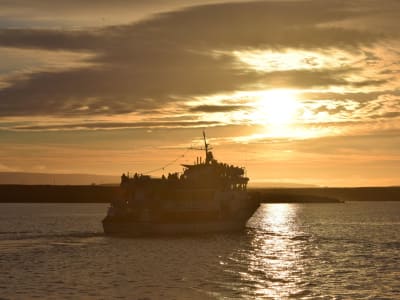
column 277, row 107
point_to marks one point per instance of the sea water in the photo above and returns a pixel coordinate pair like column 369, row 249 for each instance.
column 296, row 251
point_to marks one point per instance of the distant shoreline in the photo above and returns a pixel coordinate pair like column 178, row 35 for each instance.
column 327, row 195
column 58, row 193
column 104, row 194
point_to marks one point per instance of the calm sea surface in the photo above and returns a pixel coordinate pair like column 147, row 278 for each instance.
column 299, row 251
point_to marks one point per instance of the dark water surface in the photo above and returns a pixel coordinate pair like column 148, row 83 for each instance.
column 288, row 251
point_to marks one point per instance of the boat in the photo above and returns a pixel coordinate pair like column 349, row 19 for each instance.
column 208, row 196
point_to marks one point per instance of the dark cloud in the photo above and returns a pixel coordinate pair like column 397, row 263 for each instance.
column 386, row 115
column 52, row 39
column 79, row 13
column 149, row 63
column 330, row 110
column 232, row 26
column 217, row 108
column 370, row 82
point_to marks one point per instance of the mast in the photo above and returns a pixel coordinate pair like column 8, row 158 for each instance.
column 209, row 155
column 205, row 143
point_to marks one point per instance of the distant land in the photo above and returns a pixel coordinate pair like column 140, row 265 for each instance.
column 325, row 194
column 91, row 188
column 23, row 178
column 11, row 193
column 102, row 194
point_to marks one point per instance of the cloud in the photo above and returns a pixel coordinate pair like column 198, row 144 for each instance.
column 117, row 125
column 86, row 13
column 317, row 78
column 392, row 114
column 52, row 39
column 217, row 108
column 219, row 26
column 171, row 57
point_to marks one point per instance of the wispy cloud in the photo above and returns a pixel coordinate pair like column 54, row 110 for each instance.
column 117, row 125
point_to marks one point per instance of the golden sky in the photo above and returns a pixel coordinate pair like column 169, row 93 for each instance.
column 295, row 91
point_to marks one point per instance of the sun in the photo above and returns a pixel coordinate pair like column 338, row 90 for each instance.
column 277, row 107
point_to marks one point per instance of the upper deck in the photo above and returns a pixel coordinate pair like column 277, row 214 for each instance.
column 205, row 174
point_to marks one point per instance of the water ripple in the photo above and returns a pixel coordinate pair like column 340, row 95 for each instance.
column 288, row 252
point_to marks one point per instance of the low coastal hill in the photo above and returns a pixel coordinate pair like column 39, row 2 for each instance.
column 58, row 193
column 104, row 194
column 24, row 178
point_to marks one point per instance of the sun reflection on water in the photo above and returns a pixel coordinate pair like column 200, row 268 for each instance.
column 278, row 247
